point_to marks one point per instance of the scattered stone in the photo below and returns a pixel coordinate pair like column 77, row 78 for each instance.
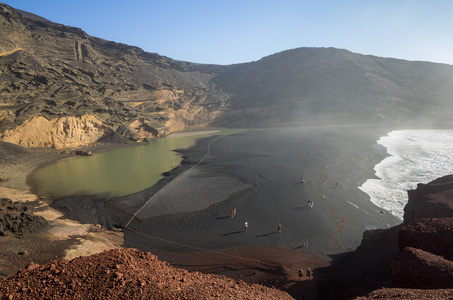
column 83, row 152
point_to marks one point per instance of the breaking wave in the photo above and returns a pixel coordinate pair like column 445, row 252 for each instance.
column 415, row 156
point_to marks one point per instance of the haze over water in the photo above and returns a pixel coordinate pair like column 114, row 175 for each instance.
column 416, row 156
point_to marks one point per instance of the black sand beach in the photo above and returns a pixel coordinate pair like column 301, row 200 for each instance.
column 260, row 173
column 268, row 176
column 265, row 170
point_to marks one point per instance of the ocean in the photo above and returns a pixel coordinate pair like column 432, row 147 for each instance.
column 414, row 156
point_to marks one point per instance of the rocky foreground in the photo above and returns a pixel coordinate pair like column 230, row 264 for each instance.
column 413, row 261
column 125, row 274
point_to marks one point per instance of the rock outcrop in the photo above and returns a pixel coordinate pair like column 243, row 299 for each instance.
column 415, row 268
column 426, row 256
column 62, row 132
column 432, row 200
column 430, row 235
column 17, row 220
column 414, row 255
column 125, row 274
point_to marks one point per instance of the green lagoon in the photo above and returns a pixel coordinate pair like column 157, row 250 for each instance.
column 118, row 172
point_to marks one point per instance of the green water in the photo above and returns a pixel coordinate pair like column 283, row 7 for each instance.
column 115, row 173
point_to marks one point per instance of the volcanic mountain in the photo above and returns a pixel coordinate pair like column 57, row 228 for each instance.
column 79, row 89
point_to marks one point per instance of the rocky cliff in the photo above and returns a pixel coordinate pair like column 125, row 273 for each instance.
column 59, row 72
column 404, row 259
column 61, row 132
column 433, row 200
column 426, row 257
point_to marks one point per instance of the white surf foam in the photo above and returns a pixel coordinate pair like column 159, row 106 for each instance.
column 416, row 156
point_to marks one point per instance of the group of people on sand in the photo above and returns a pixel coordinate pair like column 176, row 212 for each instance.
column 301, row 273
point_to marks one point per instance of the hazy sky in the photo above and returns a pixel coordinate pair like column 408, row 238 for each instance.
column 235, row 31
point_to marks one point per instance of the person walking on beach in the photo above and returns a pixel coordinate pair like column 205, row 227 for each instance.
column 309, row 273
column 279, row 227
column 301, row 273
column 246, row 225
column 232, row 213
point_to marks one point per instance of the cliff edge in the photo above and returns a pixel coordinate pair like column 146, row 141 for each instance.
column 413, row 260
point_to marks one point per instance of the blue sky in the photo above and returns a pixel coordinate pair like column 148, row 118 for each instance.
column 236, row 31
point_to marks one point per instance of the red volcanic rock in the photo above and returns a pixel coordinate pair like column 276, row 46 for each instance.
column 431, row 235
column 365, row 269
column 386, row 293
column 425, row 243
column 415, row 268
column 432, row 200
column 125, row 274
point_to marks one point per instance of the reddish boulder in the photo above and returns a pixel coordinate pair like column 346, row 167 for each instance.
column 431, row 235
column 415, row 268
column 432, row 200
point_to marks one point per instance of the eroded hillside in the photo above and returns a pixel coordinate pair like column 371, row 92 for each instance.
column 55, row 71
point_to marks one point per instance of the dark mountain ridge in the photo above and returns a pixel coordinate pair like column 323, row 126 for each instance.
column 55, row 71
column 333, row 85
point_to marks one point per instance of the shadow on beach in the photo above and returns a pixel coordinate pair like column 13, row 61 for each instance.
column 267, row 234
column 306, row 207
column 234, row 232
